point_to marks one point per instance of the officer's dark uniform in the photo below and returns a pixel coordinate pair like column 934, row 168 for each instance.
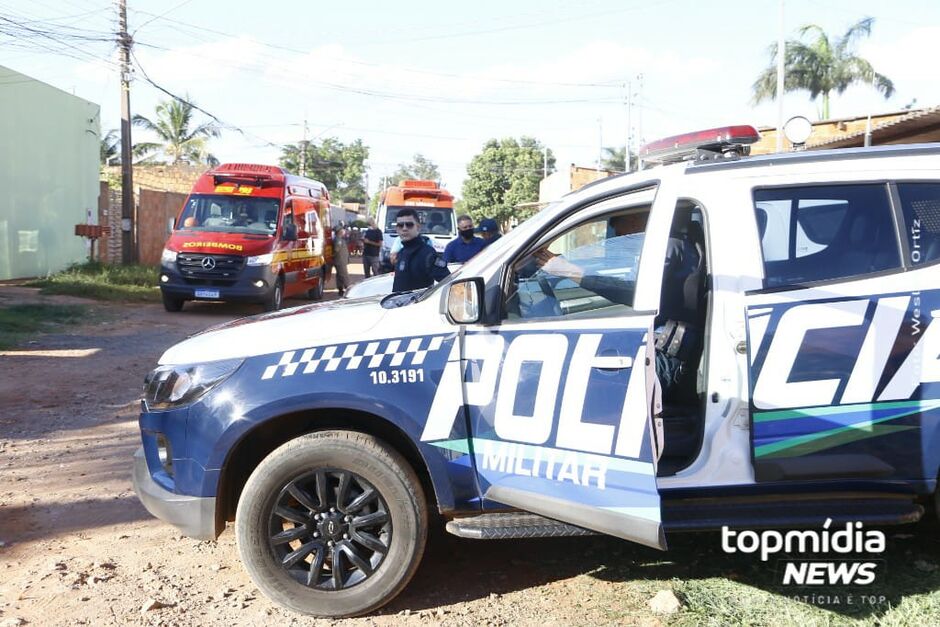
column 418, row 266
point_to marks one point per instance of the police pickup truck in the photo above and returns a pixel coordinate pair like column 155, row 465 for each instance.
column 724, row 340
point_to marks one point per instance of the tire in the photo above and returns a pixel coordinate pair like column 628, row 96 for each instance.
column 172, row 304
column 276, row 297
column 304, row 478
column 316, row 293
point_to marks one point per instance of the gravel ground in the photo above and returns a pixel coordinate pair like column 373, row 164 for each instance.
column 76, row 546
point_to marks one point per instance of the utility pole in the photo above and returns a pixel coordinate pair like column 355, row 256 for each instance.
column 545, row 163
column 628, row 101
column 600, row 142
column 781, row 68
column 639, row 113
column 128, row 222
column 303, row 152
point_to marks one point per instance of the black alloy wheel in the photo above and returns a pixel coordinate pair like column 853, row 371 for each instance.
column 330, row 529
column 332, row 523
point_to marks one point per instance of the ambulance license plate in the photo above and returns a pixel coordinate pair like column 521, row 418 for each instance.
column 207, row 294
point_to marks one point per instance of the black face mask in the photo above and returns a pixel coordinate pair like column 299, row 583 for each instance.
column 466, row 234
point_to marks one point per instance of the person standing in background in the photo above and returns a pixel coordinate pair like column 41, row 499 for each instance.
column 371, row 248
column 418, row 265
column 489, row 231
column 341, row 257
column 465, row 245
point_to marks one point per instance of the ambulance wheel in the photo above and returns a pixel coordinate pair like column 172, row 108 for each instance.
column 172, row 304
column 274, row 299
column 332, row 524
column 316, row 293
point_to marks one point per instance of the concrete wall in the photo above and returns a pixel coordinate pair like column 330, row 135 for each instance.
column 49, row 153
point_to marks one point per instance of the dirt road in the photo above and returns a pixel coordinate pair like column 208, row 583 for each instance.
column 78, row 548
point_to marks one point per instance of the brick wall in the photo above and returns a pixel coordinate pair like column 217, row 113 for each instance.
column 156, row 211
column 167, row 178
column 109, row 214
column 159, row 192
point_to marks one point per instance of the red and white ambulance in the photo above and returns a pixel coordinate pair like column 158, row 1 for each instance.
column 248, row 233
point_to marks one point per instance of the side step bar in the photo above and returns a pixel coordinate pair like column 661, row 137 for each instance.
column 501, row 526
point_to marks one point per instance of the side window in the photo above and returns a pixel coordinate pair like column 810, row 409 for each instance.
column 818, row 233
column 921, row 205
column 588, row 270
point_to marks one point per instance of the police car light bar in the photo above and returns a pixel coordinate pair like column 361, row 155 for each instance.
column 730, row 141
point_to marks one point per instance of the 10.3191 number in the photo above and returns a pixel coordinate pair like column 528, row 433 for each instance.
column 402, row 375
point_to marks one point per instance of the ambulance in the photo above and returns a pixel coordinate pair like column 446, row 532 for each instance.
column 248, row 233
column 435, row 207
column 718, row 341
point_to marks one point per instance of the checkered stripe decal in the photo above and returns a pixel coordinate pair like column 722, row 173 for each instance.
column 370, row 355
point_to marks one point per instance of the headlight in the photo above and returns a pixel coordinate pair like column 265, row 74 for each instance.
column 169, row 387
column 261, row 260
column 168, row 258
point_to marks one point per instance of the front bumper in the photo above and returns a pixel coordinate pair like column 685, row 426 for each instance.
column 193, row 515
column 239, row 289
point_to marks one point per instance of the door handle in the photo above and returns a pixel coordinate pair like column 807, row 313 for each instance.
column 611, row 363
column 741, row 347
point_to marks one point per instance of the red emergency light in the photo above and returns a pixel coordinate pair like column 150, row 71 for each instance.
column 723, row 141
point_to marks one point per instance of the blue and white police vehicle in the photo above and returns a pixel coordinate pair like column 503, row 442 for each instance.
column 719, row 341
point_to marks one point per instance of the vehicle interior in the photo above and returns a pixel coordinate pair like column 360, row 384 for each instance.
column 590, row 271
column 681, row 340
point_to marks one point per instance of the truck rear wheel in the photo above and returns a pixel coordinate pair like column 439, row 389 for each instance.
column 171, row 303
column 276, row 297
column 332, row 523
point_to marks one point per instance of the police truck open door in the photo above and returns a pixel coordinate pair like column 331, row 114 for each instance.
column 559, row 393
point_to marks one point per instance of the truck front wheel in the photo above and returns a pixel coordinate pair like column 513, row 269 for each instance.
column 332, row 523
column 274, row 299
column 171, row 303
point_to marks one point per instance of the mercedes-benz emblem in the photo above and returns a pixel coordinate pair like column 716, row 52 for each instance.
column 208, row 263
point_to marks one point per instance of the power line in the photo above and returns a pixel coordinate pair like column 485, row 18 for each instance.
column 219, row 121
column 284, row 48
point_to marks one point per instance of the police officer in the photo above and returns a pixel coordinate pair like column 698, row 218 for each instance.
column 418, row 265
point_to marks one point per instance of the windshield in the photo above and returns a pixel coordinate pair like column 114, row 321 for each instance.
column 230, row 214
column 434, row 220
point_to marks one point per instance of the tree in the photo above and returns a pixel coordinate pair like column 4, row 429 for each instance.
column 421, row 168
column 822, row 66
column 341, row 167
column 506, row 173
column 178, row 139
column 614, row 158
column 110, row 147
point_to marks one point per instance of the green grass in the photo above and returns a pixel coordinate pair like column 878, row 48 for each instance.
column 134, row 283
column 20, row 321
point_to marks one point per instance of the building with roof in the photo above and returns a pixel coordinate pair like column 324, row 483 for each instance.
column 908, row 126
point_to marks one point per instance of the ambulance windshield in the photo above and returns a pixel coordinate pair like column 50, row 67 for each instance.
column 230, row 214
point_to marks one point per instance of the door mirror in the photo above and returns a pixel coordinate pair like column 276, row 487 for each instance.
column 290, row 232
column 465, row 301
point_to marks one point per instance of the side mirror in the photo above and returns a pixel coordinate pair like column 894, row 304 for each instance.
column 465, row 301
column 290, row 232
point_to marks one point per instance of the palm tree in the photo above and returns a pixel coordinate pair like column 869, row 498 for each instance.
column 110, row 147
column 822, row 66
column 178, row 140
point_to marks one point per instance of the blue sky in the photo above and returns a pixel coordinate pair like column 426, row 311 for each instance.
column 442, row 78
